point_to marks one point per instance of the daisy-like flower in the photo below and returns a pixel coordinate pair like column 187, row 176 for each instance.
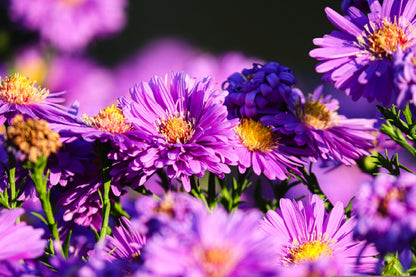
column 184, row 126
column 19, row 95
column 386, row 213
column 315, row 122
column 70, row 25
column 261, row 90
column 219, row 245
column 405, row 77
column 265, row 151
column 19, row 241
column 358, row 57
column 307, row 233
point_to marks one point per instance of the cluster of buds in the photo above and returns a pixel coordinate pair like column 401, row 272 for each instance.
column 31, row 139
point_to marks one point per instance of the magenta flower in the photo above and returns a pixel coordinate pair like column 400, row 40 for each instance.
column 19, row 241
column 307, row 233
column 405, row 77
column 316, row 123
column 183, row 126
column 386, row 213
column 19, row 95
column 70, row 25
column 219, row 245
column 358, row 57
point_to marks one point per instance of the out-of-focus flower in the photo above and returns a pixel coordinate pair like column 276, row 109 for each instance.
column 265, row 151
column 173, row 212
column 315, row 122
column 219, row 245
column 324, row 267
column 358, row 57
column 386, row 212
column 70, row 25
column 19, row 95
column 31, row 139
column 18, row 241
column 174, row 55
column 258, row 91
column 405, row 77
column 185, row 128
column 307, row 233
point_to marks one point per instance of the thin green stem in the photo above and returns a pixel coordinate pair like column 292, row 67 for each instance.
column 12, row 181
column 102, row 149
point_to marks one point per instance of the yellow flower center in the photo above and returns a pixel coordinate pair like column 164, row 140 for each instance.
column 385, row 40
column 255, row 136
column 217, row 262
column 110, row 119
column 309, row 252
column 175, row 129
column 17, row 89
column 166, row 206
column 315, row 114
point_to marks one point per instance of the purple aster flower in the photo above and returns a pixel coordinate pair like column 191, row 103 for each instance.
column 18, row 241
column 386, row 212
column 358, row 57
column 362, row 5
column 172, row 212
column 19, row 95
column 184, row 127
column 266, row 151
column 307, row 233
column 405, row 77
column 125, row 246
column 260, row 90
column 324, row 267
column 70, row 25
column 221, row 244
column 315, row 122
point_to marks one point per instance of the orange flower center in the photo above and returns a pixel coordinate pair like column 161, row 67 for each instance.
column 217, row 262
column 110, row 119
column 175, row 129
column 255, row 136
column 314, row 114
column 17, row 89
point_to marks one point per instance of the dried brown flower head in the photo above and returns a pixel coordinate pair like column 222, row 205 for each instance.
column 31, row 139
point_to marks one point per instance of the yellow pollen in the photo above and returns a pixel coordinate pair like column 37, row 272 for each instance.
column 255, row 136
column 175, row 130
column 386, row 40
column 309, row 252
column 110, row 119
column 217, row 262
column 17, row 89
column 315, row 114
column 166, row 206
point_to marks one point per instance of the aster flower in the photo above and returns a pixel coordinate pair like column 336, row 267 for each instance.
column 70, row 25
column 386, row 213
column 19, row 95
column 172, row 212
column 183, row 126
column 266, row 151
column 405, row 77
column 307, row 233
column 315, row 122
column 219, row 245
column 260, row 90
column 362, row 5
column 358, row 57
column 18, row 241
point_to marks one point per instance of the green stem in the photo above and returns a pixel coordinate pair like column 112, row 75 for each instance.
column 211, row 191
column 102, row 151
column 12, row 181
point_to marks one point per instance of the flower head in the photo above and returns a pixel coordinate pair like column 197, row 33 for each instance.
column 31, row 139
column 405, row 77
column 358, row 57
column 308, row 234
column 219, row 245
column 261, row 90
column 315, row 122
column 380, row 205
column 183, row 127
column 19, row 95
column 70, row 25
